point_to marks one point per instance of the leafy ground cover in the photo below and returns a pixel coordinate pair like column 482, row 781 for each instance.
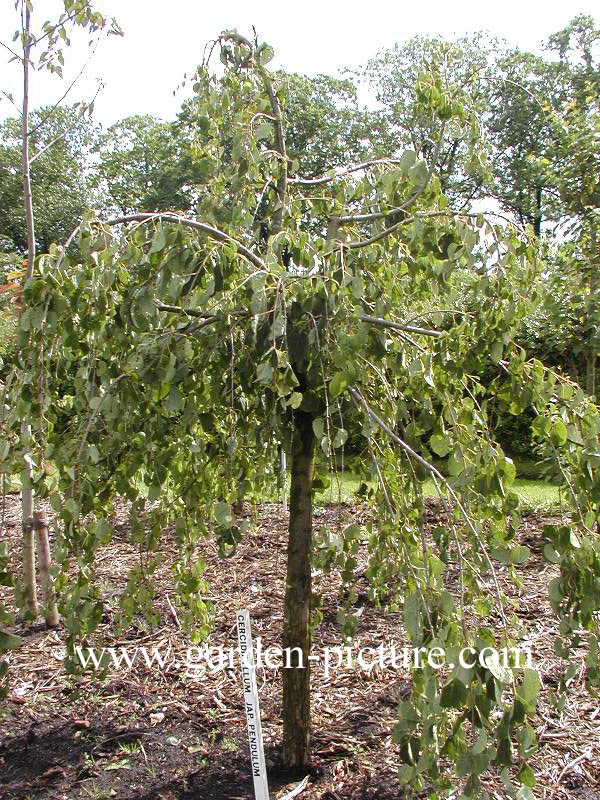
column 162, row 734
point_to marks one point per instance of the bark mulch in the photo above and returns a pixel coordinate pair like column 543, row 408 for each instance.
column 162, row 734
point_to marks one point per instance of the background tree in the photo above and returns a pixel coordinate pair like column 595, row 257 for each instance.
column 467, row 63
column 325, row 125
column 576, row 166
column 60, row 143
column 525, row 92
column 145, row 163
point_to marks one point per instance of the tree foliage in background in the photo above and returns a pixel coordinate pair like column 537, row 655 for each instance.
column 145, row 164
column 462, row 162
column 576, row 166
column 526, row 91
column 61, row 178
column 325, row 126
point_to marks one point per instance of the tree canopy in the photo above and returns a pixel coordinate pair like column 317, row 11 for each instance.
column 169, row 358
column 278, row 268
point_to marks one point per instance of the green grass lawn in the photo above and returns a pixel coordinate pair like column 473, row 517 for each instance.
column 533, row 493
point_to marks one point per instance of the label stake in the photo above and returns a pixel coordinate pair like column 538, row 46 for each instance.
column 257, row 752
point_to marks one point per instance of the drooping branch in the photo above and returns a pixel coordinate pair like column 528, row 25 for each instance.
column 398, row 326
column 254, row 57
column 362, row 403
column 347, row 219
column 176, row 219
column 10, row 100
column 51, row 111
column 346, row 171
column 11, row 51
column 404, row 206
column 190, row 312
column 282, row 180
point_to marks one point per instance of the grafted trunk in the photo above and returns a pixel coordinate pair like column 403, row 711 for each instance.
column 40, row 524
column 296, row 632
column 29, row 584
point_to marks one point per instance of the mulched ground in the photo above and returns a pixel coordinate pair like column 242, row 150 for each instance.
column 163, row 735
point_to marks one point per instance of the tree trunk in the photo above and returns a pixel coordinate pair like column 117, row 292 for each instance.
column 27, row 491
column 40, row 524
column 29, row 585
column 296, row 626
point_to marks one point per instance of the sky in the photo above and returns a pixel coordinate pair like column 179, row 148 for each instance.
column 165, row 40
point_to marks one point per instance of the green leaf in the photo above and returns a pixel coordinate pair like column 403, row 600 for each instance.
column 574, row 435
column 351, row 532
column 515, row 555
column 338, row 384
column 9, row 641
column 519, row 554
column 481, row 742
column 440, row 445
column 159, row 240
column 340, row 438
column 174, row 400
column 412, row 616
column 265, row 54
column 500, row 672
column 407, row 159
column 264, row 373
column 551, row 555
column 454, row 695
column 295, row 400
column 418, row 173
column 555, row 591
column 154, row 492
column 558, row 435
column 574, row 540
column 505, row 753
column 264, row 130
column 530, row 686
column 496, row 351
column 223, row 515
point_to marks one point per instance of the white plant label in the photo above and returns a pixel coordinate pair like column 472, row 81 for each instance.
column 257, row 752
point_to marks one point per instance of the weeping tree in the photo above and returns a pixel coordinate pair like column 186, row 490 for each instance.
column 175, row 355
column 41, row 47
